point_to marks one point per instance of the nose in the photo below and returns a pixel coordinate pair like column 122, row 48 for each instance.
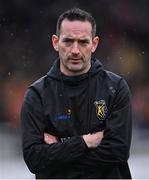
column 75, row 48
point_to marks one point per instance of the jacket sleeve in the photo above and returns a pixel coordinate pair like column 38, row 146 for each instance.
column 115, row 145
column 37, row 154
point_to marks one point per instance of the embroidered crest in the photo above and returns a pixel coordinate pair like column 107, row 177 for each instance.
column 101, row 109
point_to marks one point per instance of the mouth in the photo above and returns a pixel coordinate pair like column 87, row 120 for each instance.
column 75, row 61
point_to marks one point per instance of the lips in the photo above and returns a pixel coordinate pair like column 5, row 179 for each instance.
column 75, row 61
column 75, row 58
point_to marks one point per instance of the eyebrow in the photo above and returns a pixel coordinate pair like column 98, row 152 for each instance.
column 68, row 39
column 83, row 40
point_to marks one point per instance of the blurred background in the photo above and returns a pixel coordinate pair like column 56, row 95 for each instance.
column 26, row 54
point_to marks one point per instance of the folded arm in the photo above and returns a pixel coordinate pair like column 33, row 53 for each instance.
column 41, row 149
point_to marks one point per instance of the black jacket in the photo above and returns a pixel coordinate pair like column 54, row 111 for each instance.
column 69, row 107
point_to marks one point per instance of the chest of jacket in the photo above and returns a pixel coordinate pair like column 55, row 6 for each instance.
column 76, row 110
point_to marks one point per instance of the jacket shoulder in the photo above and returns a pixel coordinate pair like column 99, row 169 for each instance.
column 115, row 82
column 112, row 76
column 35, row 90
column 111, row 79
column 39, row 85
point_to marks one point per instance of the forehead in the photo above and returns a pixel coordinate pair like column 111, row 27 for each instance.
column 76, row 28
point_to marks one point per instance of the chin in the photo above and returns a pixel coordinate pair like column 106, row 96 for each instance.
column 76, row 69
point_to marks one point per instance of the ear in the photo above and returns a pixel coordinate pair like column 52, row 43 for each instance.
column 95, row 43
column 55, row 40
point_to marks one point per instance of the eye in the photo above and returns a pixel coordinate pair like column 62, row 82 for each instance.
column 68, row 41
column 84, row 42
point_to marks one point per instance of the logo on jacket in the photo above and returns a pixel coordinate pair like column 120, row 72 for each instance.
column 101, row 109
column 63, row 117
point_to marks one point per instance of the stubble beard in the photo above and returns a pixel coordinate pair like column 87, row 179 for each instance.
column 77, row 69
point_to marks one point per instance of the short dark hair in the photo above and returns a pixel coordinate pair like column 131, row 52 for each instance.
column 76, row 14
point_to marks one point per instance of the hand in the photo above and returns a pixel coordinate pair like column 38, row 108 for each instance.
column 49, row 139
column 93, row 140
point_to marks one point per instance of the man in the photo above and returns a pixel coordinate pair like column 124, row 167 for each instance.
column 76, row 120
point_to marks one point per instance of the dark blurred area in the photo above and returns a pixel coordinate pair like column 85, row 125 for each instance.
column 26, row 53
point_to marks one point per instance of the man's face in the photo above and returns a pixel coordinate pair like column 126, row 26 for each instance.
column 75, row 46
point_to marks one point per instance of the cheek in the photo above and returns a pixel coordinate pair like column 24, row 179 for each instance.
column 63, row 54
column 87, row 52
column 63, row 50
